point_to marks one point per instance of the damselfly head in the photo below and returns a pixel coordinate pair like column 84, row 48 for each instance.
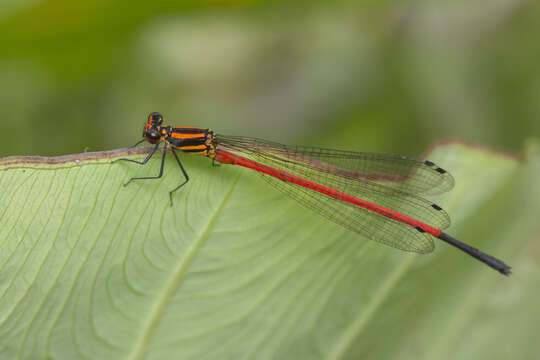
column 155, row 119
column 152, row 128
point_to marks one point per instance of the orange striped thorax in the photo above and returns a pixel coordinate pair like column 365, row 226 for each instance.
column 188, row 139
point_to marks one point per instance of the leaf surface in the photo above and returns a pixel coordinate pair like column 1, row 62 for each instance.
column 90, row 269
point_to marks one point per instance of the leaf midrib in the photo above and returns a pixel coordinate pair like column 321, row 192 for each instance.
column 175, row 279
column 359, row 324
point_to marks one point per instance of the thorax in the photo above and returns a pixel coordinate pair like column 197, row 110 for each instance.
column 191, row 139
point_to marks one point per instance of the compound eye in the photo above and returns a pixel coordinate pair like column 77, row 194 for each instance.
column 154, row 134
column 155, row 118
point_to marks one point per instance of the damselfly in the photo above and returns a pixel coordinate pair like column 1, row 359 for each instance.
column 377, row 196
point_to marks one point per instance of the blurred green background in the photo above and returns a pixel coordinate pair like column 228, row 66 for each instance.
column 81, row 76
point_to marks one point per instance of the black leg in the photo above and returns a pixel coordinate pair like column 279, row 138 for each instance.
column 183, row 171
column 139, row 142
column 140, row 162
column 145, row 160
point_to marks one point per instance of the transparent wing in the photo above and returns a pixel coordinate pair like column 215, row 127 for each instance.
column 389, row 194
column 406, row 174
column 368, row 224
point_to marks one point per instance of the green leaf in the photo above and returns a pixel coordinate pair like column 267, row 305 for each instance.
column 90, row 269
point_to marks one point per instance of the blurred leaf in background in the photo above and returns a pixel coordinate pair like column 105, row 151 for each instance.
column 80, row 75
